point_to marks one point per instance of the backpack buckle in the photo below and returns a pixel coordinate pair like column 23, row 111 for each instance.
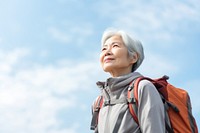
column 106, row 102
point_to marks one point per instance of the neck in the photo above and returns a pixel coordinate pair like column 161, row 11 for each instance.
column 120, row 73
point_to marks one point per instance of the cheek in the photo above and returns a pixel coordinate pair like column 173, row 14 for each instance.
column 122, row 54
column 101, row 58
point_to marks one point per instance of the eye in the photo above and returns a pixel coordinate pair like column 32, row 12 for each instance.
column 115, row 45
column 103, row 49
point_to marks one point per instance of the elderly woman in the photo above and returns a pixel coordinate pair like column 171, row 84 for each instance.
column 120, row 56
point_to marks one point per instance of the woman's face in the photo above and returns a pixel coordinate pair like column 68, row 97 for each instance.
column 114, row 57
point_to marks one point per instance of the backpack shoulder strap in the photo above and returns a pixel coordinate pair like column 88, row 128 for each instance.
column 97, row 105
column 132, row 98
column 136, row 86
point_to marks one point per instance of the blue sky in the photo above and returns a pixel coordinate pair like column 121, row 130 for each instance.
column 49, row 56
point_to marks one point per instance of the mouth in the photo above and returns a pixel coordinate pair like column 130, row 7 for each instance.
column 108, row 59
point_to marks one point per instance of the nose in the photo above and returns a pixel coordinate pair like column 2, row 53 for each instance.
column 108, row 52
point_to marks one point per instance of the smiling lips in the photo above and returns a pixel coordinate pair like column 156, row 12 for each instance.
column 108, row 59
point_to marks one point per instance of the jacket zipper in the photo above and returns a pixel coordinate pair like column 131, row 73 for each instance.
column 107, row 125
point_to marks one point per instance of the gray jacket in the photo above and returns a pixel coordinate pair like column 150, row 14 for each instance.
column 150, row 110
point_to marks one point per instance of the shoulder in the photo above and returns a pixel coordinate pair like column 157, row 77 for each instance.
column 145, row 83
column 148, row 94
column 146, row 87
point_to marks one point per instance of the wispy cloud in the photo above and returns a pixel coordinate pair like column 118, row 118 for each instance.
column 8, row 59
column 31, row 97
column 155, row 65
column 155, row 20
column 72, row 34
column 59, row 35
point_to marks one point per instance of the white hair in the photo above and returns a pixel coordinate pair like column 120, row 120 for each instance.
column 133, row 45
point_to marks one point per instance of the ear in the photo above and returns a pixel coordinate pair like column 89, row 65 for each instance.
column 134, row 58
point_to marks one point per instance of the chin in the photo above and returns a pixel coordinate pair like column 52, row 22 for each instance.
column 107, row 69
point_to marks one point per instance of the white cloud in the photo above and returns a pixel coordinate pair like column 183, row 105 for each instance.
column 59, row 35
column 154, row 20
column 72, row 34
column 156, row 65
column 9, row 58
column 32, row 97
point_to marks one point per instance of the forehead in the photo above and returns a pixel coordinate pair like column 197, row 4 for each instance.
column 114, row 38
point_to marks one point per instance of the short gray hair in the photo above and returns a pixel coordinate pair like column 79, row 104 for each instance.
column 133, row 45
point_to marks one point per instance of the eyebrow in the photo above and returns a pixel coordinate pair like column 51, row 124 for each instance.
column 106, row 44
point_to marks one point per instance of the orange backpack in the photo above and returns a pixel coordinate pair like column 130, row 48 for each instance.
column 176, row 102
